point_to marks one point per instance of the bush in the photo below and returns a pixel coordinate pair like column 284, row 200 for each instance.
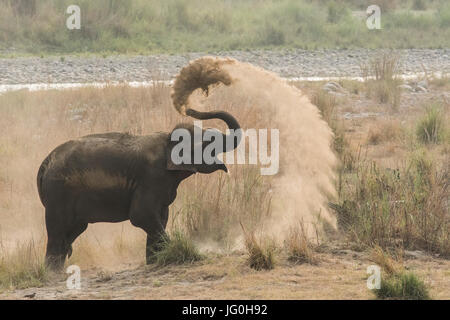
column 430, row 128
column 405, row 286
column 177, row 249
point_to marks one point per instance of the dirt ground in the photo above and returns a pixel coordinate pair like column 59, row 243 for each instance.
column 340, row 274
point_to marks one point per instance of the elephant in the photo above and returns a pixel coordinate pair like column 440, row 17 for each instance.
column 114, row 177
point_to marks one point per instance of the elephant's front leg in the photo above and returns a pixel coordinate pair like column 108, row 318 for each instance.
column 156, row 238
column 148, row 213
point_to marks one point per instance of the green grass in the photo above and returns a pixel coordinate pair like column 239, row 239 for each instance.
column 177, row 249
column 431, row 127
column 405, row 286
column 171, row 26
column 22, row 268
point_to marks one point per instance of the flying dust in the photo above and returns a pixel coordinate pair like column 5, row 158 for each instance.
column 306, row 177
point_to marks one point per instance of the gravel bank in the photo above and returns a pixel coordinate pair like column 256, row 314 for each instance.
column 287, row 63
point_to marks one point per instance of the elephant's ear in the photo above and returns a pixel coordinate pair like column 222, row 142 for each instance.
column 170, row 165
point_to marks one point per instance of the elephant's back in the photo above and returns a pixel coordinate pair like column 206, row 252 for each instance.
column 105, row 151
column 101, row 160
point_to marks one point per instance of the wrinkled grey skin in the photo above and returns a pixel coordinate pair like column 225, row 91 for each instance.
column 113, row 177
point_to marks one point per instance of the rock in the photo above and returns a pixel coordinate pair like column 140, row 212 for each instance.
column 332, row 87
column 420, row 89
column 406, row 87
column 417, row 254
column 423, row 84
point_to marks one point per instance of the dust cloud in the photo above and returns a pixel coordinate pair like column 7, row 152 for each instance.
column 305, row 181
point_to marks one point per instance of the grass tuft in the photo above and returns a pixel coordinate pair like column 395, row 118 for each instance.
column 380, row 79
column 430, row 128
column 261, row 254
column 23, row 268
column 299, row 247
column 396, row 283
column 404, row 286
column 177, row 249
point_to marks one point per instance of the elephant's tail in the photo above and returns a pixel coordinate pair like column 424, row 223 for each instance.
column 40, row 176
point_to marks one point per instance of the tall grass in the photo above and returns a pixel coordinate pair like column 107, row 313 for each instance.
column 299, row 246
column 260, row 251
column 22, row 266
column 380, row 79
column 431, row 127
column 139, row 26
column 407, row 206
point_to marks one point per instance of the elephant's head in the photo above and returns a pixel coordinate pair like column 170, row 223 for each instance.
column 195, row 145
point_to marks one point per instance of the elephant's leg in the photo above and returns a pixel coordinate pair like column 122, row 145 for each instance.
column 147, row 213
column 77, row 229
column 156, row 237
column 56, row 243
column 56, row 251
column 164, row 216
column 154, row 244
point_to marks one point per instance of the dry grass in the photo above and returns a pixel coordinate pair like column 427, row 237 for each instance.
column 23, row 266
column 405, row 206
column 384, row 131
column 327, row 105
column 396, row 283
column 380, row 79
column 300, row 247
column 386, row 261
column 261, row 252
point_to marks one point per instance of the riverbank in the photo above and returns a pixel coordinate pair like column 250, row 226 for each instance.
column 286, row 63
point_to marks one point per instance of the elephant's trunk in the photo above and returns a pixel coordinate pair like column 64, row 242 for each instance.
column 232, row 123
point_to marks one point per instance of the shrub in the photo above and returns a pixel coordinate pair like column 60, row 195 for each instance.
column 430, row 128
column 405, row 286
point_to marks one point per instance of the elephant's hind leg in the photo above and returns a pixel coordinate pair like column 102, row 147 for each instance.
column 56, row 251
column 59, row 233
column 76, row 230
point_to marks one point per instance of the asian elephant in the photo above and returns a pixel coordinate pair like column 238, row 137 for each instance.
column 113, row 177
